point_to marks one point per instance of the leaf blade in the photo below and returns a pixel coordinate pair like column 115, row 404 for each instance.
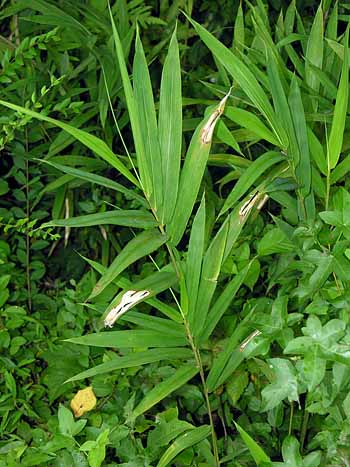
column 142, row 245
column 170, row 127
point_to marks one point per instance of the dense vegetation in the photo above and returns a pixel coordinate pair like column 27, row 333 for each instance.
column 176, row 172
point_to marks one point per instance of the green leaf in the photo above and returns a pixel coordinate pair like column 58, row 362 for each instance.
column 236, row 386
column 223, row 302
column 134, row 359
column 284, row 387
column 97, row 179
column 135, row 338
column 249, row 177
column 324, row 267
column 274, row 241
column 65, row 420
column 338, row 124
column 255, row 450
column 238, row 33
column 282, row 108
column 194, row 260
column 155, row 283
column 166, row 387
column 145, row 176
column 252, row 123
column 317, row 153
column 314, row 367
column 142, row 245
column 314, row 54
column 290, row 452
column 326, row 337
column 97, row 449
column 129, row 218
column 290, row 18
column 341, row 170
column 188, row 439
column 170, row 127
column 244, row 77
column 211, row 268
column 146, row 114
column 226, row 136
column 303, row 169
column 168, row 427
column 192, row 173
column 154, row 323
column 90, row 141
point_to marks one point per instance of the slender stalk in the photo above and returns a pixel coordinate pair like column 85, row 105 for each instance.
column 29, row 287
column 328, row 188
column 291, row 418
column 199, row 364
column 195, row 350
column 197, row 357
column 304, row 429
column 328, row 180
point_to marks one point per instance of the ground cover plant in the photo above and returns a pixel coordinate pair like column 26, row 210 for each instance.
column 175, row 253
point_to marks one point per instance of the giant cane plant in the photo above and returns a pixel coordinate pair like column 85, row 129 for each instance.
column 278, row 108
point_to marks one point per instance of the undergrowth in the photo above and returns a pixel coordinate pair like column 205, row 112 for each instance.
column 175, row 234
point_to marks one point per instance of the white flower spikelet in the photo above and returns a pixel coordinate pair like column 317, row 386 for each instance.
column 129, row 299
column 208, row 129
column 258, row 200
column 249, row 339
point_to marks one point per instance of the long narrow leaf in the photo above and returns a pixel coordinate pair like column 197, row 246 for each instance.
column 134, row 359
column 154, row 285
column 244, row 77
column 210, row 272
column 90, row 141
column 143, row 99
column 133, row 113
column 170, row 128
column 130, row 339
column 223, row 302
column 188, row 439
column 249, row 177
column 255, row 450
column 303, row 169
column 142, row 245
column 97, row 179
column 129, row 218
column 314, row 53
column 239, row 33
column 341, row 105
column 316, row 151
column 193, row 171
column 250, row 121
column 166, row 387
column 194, row 259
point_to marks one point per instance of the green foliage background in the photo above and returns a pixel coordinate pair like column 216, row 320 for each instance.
column 241, row 350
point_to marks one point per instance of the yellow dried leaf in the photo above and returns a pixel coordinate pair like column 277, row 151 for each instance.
column 83, row 401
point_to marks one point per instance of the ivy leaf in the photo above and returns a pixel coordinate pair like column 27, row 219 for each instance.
column 168, row 427
column 326, row 337
column 340, row 216
column 314, row 367
column 292, row 457
column 290, row 452
column 285, row 385
column 96, row 449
